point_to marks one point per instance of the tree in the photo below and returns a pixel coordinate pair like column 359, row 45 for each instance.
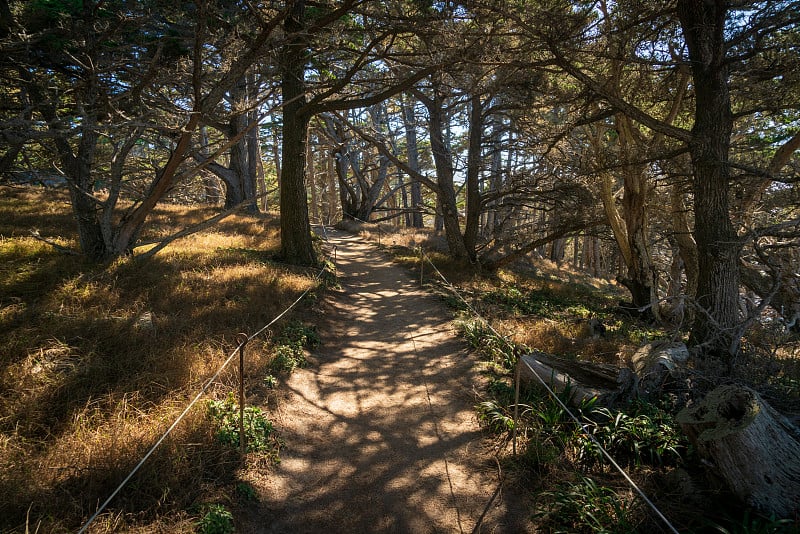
column 718, row 245
column 716, row 39
column 108, row 77
column 349, row 82
column 239, row 126
column 296, row 245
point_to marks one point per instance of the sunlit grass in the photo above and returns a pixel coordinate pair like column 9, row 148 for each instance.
column 546, row 306
column 96, row 361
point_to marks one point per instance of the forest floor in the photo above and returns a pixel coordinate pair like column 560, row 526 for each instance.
column 380, row 429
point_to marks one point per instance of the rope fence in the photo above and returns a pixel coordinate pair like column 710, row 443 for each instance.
column 424, row 258
column 244, row 339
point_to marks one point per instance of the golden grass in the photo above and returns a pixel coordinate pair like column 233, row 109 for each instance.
column 563, row 331
column 97, row 361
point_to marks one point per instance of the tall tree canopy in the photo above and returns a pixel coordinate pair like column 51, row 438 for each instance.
column 657, row 141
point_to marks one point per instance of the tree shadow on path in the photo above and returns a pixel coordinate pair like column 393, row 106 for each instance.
column 380, row 430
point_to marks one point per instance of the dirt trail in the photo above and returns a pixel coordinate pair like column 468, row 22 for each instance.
column 380, row 430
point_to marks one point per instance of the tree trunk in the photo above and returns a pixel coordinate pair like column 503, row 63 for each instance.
column 404, row 200
column 242, row 160
column 330, row 197
column 473, row 214
column 211, row 185
column 582, row 380
column 235, row 187
column 640, row 280
column 84, row 204
column 312, row 182
column 276, row 153
column 493, row 216
column 255, row 174
column 410, row 123
column 753, row 448
column 443, row 161
column 718, row 248
column 630, row 228
column 296, row 243
column 347, row 194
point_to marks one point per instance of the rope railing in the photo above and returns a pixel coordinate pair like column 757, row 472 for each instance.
column 424, row 257
column 244, row 340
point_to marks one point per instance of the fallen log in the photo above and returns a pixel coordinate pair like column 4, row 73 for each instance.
column 754, row 449
column 581, row 380
column 658, row 363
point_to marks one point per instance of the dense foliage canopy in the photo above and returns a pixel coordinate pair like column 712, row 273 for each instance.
column 654, row 141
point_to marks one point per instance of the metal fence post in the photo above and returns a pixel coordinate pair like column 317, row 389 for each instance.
column 242, row 435
column 421, row 266
column 516, row 409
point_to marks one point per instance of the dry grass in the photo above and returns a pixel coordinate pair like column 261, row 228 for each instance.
column 568, row 297
column 546, row 306
column 97, row 361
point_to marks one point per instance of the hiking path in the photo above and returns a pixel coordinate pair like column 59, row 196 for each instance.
column 380, row 429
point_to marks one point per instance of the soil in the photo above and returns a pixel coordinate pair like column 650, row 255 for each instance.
column 380, row 429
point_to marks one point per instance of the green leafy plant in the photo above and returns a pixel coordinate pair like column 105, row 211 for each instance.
column 216, row 520
column 287, row 358
column 246, row 492
column 539, row 302
column 495, row 417
column 485, row 341
column 290, row 345
column 585, row 506
column 647, row 435
column 298, row 332
column 259, row 431
column 501, row 390
column 270, row 381
column 751, row 523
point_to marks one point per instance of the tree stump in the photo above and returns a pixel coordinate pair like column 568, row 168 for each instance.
column 754, row 449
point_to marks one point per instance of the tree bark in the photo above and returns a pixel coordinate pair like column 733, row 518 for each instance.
column 296, row 243
column 494, row 217
column 753, row 448
column 443, row 160
column 715, row 323
column 582, row 380
column 410, row 123
column 84, row 205
column 473, row 213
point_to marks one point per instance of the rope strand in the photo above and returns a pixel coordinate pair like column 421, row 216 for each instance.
column 192, row 403
column 558, row 400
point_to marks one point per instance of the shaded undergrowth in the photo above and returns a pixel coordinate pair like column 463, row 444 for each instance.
column 554, row 309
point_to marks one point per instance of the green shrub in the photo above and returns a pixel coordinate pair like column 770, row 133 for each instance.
column 487, row 342
column 216, row 520
column 246, row 492
column 495, row 416
column 542, row 302
column 258, row 429
column 584, row 506
column 288, row 357
column 297, row 332
column 647, row 435
column 290, row 345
